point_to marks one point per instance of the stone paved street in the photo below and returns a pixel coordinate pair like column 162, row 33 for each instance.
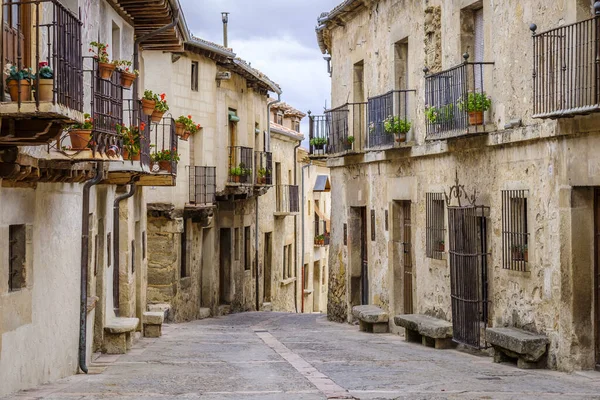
column 290, row 356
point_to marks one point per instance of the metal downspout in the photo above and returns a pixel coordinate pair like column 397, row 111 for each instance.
column 116, row 231
column 296, row 239
column 85, row 233
column 303, row 234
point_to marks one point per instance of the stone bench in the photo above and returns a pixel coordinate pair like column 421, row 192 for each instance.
column 152, row 323
column 509, row 343
column 371, row 319
column 429, row 331
column 118, row 335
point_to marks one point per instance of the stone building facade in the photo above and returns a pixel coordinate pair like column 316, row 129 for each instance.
column 526, row 173
column 60, row 245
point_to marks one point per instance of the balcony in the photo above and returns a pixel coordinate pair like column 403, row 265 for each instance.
column 389, row 119
column 240, row 166
column 339, row 131
column 203, row 186
column 287, row 200
column 566, row 72
column 34, row 34
column 263, row 165
column 456, row 103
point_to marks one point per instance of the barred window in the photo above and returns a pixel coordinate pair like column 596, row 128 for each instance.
column 515, row 233
column 17, row 237
column 435, row 228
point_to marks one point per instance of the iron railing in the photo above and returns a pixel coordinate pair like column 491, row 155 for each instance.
column 44, row 31
column 449, row 96
column 162, row 139
column 263, row 165
column 203, row 185
column 287, row 199
column 566, row 71
column 240, row 165
column 134, row 117
column 339, row 130
column 393, row 108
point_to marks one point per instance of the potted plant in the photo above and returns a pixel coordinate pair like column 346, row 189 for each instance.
column 262, row 176
column 475, row 104
column 19, row 82
column 441, row 246
column 105, row 67
column 160, row 108
column 350, row 140
column 318, row 142
column 397, row 126
column 440, row 115
column 128, row 75
column 235, row 173
column 81, row 134
column 372, row 127
column 45, row 82
column 132, row 140
column 190, row 129
column 148, row 102
column 181, row 124
column 518, row 252
column 165, row 159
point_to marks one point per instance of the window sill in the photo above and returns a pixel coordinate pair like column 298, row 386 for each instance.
column 287, row 281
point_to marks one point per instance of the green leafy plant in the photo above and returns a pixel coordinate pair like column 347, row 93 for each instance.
column 13, row 74
column 440, row 115
column 100, row 51
column 161, row 102
column 165, row 155
column 474, row 102
column 262, row 172
column 395, row 124
column 44, row 71
column 235, row 171
column 125, row 66
column 318, row 141
column 88, row 123
column 350, row 139
column 132, row 137
column 149, row 95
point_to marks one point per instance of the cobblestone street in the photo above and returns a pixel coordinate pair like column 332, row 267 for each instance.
column 290, row 356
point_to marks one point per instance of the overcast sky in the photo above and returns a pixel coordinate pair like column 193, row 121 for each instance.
column 275, row 36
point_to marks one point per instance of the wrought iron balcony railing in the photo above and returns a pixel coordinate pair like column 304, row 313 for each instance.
column 339, row 130
column 203, row 185
column 388, row 113
column 38, row 33
column 240, row 165
column 263, row 165
column 287, row 199
column 456, row 101
column 163, row 143
column 566, row 71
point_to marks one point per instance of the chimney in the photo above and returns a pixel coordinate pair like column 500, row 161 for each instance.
column 225, row 18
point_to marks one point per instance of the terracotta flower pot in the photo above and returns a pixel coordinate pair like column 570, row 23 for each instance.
column 148, row 106
column 45, row 92
column 156, row 116
column 165, row 165
column 476, row 118
column 106, row 70
column 400, row 137
column 13, row 89
column 113, row 151
column 127, row 156
column 179, row 129
column 127, row 79
column 186, row 135
column 80, row 138
column 235, row 178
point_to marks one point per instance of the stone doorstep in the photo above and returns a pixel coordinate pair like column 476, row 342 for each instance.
column 122, row 325
column 153, row 317
column 527, row 345
column 370, row 314
column 425, row 325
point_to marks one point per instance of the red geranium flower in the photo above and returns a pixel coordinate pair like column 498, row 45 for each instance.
column 162, row 96
column 189, row 117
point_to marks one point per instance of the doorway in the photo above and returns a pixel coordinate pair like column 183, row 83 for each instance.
column 316, row 286
column 364, row 273
column 357, row 249
column 597, row 274
column 268, row 256
column 402, row 257
column 225, row 266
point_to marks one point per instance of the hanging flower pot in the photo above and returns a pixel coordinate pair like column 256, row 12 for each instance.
column 148, row 106
column 186, row 135
column 127, row 79
column 127, row 156
column 400, row 137
column 165, row 165
column 14, row 90
column 476, row 118
column 156, row 116
column 80, row 138
column 106, row 70
column 179, row 129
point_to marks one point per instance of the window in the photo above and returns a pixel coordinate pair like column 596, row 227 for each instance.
column 279, row 118
column 359, row 86
column 288, row 269
column 17, row 239
column 472, row 38
column 115, row 47
column 401, row 64
column 108, row 250
column 247, row 249
column 515, row 235
column 308, row 208
column 296, row 126
column 194, row 77
column 132, row 256
column 435, row 228
column 144, row 245
column 236, row 243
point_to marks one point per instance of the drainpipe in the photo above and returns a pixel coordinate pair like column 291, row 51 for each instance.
column 85, row 233
column 296, row 239
column 303, row 224
column 116, row 229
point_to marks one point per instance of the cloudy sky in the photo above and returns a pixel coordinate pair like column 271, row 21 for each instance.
column 275, row 36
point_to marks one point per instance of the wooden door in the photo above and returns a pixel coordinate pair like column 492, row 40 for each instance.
column 597, row 273
column 364, row 274
column 407, row 257
column 17, row 34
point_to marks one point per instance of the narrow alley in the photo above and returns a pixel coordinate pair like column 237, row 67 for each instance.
column 261, row 355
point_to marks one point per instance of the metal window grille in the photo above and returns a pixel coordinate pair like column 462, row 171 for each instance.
column 566, row 72
column 515, row 234
column 340, row 130
column 435, row 227
column 163, row 137
column 17, row 236
column 264, row 167
column 240, row 165
column 134, row 117
column 393, row 104
column 203, row 185
column 372, row 225
column 345, row 234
